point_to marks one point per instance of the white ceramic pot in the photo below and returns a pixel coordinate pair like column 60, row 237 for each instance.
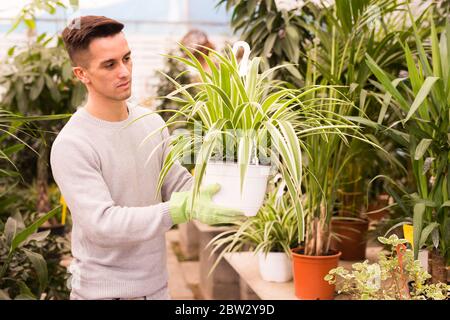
column 227, row 175
column 275, row 266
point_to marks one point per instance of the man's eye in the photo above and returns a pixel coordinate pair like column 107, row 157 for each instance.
column 127, row 58
column 109, row 65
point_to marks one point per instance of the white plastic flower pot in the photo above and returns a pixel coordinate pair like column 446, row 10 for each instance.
column 227, row 175
column 275, row 266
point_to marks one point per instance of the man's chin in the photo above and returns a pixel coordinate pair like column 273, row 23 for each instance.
column 122, row 97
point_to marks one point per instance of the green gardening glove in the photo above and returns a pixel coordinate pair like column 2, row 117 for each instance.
column 204, row 210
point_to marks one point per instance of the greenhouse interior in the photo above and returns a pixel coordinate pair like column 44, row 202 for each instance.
column 225, row 150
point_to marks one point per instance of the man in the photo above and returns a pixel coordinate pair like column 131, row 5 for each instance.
column 119, row 218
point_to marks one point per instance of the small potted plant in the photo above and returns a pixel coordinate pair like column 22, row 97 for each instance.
column 396, row 276
column 270, row 234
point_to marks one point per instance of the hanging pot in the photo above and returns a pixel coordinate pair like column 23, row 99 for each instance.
column 228, row 176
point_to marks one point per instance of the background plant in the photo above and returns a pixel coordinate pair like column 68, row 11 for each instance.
column 326, row 160
column 27, row 14
column 344, row 33
column 397, row 276
column 13, row 273
column 29, row 261
column 422, row 106
column 277, row 35
column 177, row 71
column 38, row 81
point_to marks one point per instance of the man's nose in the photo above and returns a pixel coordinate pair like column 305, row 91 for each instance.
column 123, row 71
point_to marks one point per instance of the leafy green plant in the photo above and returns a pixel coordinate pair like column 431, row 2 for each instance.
column 250, row 118
column 277, row 35
column 344, row 34
column 273, row 229
column 326, row 162
column 14, row 239
column 24, row 262
column 176, row 70
column 38, row 81
column 330, row 40
column 18, row 132
column 396, row 276
column 421, row 102
column 28, row 13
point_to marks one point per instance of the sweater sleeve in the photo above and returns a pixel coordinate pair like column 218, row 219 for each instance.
column 76, row 170
column 178, row 177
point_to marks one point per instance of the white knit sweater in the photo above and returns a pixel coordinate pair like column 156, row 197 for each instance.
column 119, row 221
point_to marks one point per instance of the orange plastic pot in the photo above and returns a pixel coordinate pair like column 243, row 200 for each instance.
column 309, row 273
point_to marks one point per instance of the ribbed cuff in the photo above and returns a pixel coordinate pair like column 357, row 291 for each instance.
column 167, row 218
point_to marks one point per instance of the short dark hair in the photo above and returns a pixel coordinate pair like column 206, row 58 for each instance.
column 81, row 31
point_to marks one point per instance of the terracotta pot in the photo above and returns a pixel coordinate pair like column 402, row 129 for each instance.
column 309, row 273
column 381, row 202
column 351, row 202
column 350, row 238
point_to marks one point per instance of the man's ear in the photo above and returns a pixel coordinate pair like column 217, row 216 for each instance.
column 81, row 74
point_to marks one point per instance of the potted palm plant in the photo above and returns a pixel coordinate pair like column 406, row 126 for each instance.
column 270, row 234
column 326, row 158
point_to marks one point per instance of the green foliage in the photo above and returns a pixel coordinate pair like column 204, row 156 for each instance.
column 39, row 81
column 175, row 70
column 327, row 158
column 249, row 116
column 14, row 239
column 28, row 13
column 18, row 136
column 278, row 37
column 422, row 108
column 29, row 261
column 350, row 30
column 396, row 276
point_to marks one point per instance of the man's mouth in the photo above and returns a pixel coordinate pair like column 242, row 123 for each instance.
column 123, row 84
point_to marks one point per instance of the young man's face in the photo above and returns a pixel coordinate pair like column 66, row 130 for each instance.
column 107, row 67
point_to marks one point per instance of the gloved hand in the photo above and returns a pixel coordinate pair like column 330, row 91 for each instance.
column 204, row 210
